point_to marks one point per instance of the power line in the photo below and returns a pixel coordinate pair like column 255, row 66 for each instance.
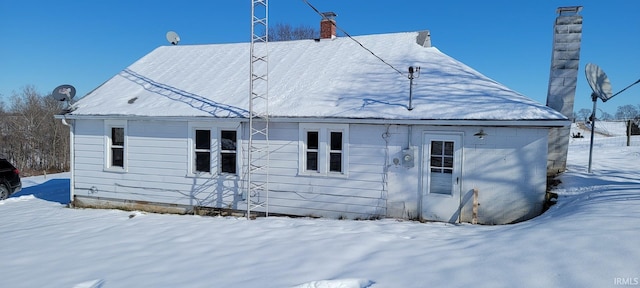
column 348, row 35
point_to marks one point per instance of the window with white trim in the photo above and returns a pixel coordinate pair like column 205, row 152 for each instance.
column 335, row 151
column 323, row 149
column 213, row 148
column 202, row 151
column 115, row 145
column 312, row 150
column 228, row 151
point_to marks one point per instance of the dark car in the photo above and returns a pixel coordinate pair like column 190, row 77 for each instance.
column 9, row 179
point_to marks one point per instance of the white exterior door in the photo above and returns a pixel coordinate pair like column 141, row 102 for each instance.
column 441, row 166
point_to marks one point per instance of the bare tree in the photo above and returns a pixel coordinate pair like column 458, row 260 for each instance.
column 286, row 32
column 626, row 112
column 606, row 116
column 584, row 114
column 30, row 136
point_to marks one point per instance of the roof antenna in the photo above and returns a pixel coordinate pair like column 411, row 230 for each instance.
column 601, row 87
column 412, row 70
column 173, row 38
column 65, row 93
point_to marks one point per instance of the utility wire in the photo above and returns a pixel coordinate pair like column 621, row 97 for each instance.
column 345, row 33
column 634, row 83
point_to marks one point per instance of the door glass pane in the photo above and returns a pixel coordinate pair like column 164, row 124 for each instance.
column 448, row 148
column 436, row 161
column 448, row 162
column 436, row 147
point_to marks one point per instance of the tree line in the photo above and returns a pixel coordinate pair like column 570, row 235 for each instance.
column 623, row 113
column 30, row 137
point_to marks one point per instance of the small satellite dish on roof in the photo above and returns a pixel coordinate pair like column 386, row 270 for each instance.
column 64, row 92
column 173, row 38
column 598, row 81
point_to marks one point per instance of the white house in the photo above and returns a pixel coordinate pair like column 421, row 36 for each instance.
column 170, row 132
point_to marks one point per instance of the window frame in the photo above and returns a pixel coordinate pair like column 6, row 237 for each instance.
column 324, row 150
column 333, row 151
column 308, row 150
column 198, row 150
column 215, row 149
column 109, row 125
column 222, row 152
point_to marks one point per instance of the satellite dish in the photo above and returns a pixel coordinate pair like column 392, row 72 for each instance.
column 173, row 38
column 64, row 92
column 598, row 81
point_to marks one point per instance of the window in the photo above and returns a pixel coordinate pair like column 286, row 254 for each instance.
column 228, row 150
column 335, row 153
column 441, row 165
column 323, row 149
column 312, row 150
column 202, row 150
column 115, row 145
column 442, row 157
column 213, row 148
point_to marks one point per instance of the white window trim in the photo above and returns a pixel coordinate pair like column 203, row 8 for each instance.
column 324, row 146
column 215, row 128
column 108, row 124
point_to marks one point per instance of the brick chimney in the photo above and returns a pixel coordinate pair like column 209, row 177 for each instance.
column 328, row 25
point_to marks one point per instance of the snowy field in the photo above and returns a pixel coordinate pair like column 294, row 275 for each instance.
column 591, row 238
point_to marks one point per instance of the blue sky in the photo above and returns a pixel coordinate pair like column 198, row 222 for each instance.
column 84, row 43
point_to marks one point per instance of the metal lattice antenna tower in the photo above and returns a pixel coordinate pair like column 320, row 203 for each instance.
column 257, row 195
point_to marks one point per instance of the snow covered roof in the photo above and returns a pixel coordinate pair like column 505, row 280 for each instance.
column 329, row 78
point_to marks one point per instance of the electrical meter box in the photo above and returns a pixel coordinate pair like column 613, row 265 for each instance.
column 408, row 157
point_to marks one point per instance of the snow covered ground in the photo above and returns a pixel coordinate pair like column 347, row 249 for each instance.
column 589, row 239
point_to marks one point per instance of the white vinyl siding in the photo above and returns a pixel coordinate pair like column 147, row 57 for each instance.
column 158, row 160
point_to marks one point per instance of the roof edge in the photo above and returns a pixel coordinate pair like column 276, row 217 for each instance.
column 434, row 122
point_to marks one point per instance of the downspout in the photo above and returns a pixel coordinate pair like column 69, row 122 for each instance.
column 71, row 158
